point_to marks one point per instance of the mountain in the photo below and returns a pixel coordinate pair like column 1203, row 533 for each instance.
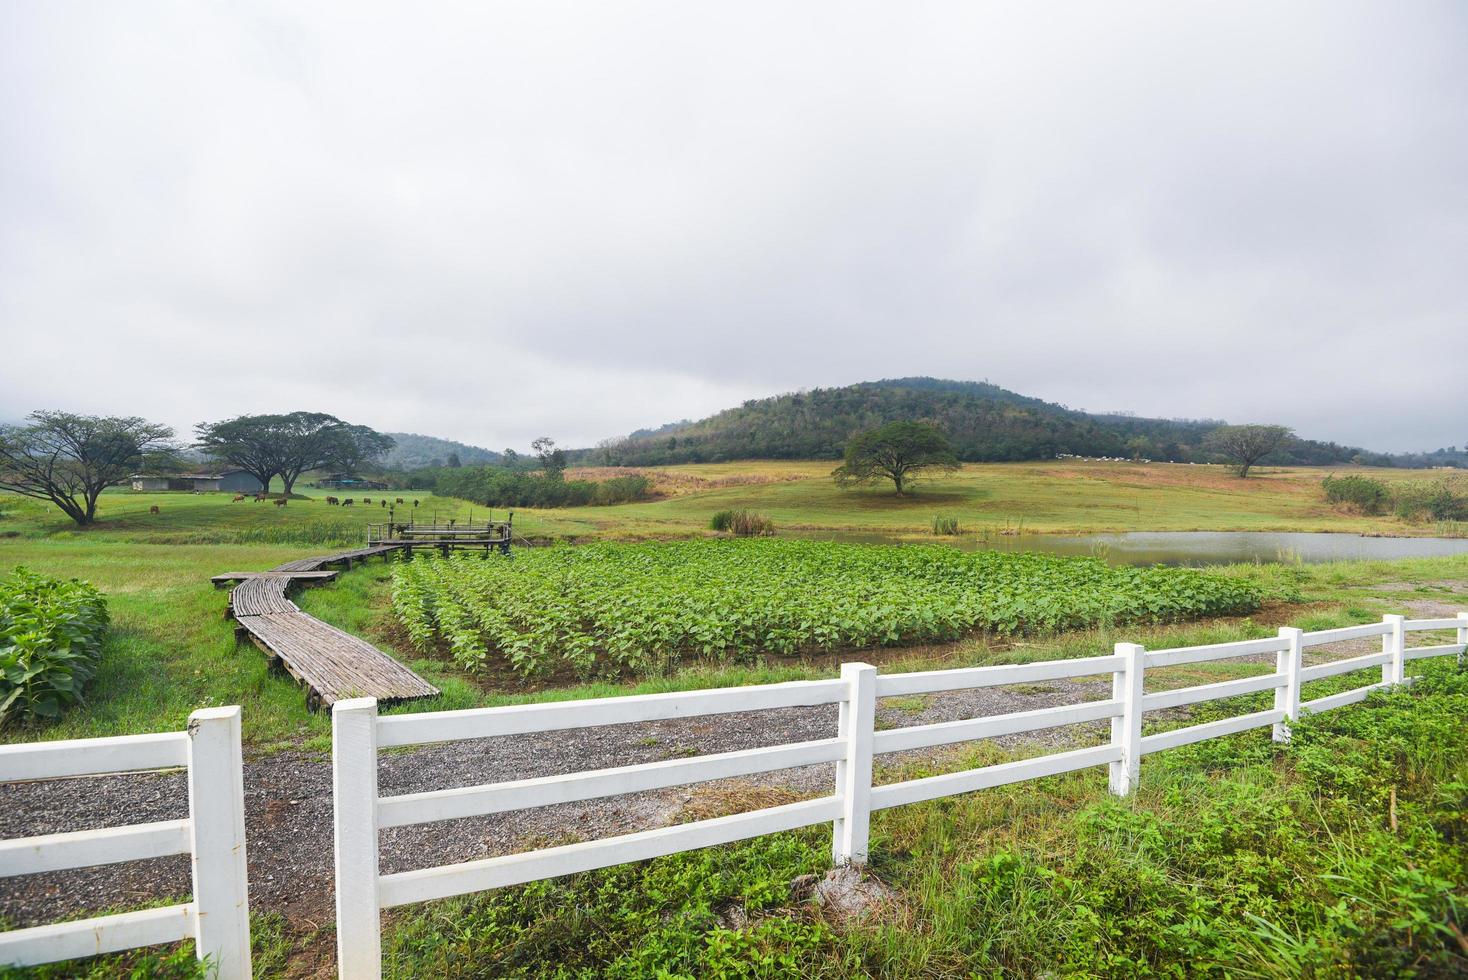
column 412, row 451
column 985, row 423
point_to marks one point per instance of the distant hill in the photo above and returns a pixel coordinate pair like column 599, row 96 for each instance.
column 985, row 423
column 413, row 451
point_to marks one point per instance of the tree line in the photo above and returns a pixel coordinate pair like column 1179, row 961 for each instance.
column 69, row 459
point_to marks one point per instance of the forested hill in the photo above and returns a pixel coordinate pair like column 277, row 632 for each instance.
column 411, row 451
column 984, row 422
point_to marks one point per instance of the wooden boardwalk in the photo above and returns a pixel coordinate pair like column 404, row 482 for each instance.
column 329, row 663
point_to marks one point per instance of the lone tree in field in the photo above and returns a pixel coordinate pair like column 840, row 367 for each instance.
column 70, row 459
column 1245, row 445
column 286, row 446
column 897, row 451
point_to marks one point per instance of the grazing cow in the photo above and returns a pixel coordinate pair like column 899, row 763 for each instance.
column 347, row 502
column 415, row 503
column 281, row 501
column 261, row 496
column 383, row 502
column 237, row 498
column 332, row 501
column 366, row 500
column 400, row 500
column 153, row 509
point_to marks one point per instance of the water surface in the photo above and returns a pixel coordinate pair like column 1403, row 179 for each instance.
column 1188, row 547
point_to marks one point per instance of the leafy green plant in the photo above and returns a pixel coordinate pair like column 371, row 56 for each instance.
column 50, row 640
column 647, row 607
column 1358, row 493
column 946, row 525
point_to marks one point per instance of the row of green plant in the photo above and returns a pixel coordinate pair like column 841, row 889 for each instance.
column 51, row 635
column 742, row 523
column 1340, row 855
column 1438, row 501
column 647, row 607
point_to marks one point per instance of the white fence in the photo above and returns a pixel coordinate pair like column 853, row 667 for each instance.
column 218, row 918
column 358, row 733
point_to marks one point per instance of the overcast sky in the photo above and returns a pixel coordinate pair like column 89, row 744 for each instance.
column 494, row 221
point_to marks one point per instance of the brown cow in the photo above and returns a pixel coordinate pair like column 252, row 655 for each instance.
column 332, row 501
column 383, row 502
column 261, row 496
column 415, row 503
column 154, row 509
column 366, row 500
column 347, row 502
column 400, row 500
column 237, row 498
column 281, row 501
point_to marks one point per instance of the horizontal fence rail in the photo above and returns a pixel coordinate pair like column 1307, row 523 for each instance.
column 218, row 917
column 358, row 734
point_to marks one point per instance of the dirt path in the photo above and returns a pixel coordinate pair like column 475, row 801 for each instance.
column 289, row 808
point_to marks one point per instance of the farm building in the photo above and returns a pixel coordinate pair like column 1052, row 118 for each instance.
column 233, row 481
column 345, row 481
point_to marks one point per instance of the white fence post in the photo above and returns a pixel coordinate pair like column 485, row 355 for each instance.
column 1126, row 729
column 1394, row 671
column 1288, row 662
column 858, row 724
column 354, row 795
column 1462, row 636
column 217, row 828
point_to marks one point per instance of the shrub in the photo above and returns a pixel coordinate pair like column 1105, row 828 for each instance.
column 1359, row 493
column 743, row 523
column 946, row 526
column 50, row 640
column 1435, row 501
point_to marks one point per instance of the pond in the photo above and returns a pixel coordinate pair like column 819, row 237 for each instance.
column 1189, row 547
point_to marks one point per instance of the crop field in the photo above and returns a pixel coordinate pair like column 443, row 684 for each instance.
column 647, row 607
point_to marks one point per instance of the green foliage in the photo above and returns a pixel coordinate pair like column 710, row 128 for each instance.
column 742, row 523
column 1439, row 501
column 664, row 918
column 897, row 451
column 1359, row 493
column 50, row 640
column 1435, row 501
column 946, row 525
column 985, row 423
column 645, row 607
column 500, row 486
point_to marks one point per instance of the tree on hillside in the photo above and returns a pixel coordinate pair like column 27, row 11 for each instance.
column 1245, row 445
column 552, row 460
column 289, row 445
column 897, row 451
column 70, row 459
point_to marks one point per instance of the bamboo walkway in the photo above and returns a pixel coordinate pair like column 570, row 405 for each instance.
column 328, row 663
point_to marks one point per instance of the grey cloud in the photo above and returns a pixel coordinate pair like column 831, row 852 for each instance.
column 491, row 221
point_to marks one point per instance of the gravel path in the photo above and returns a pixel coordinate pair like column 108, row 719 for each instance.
column 289, row 811
column 288, row 800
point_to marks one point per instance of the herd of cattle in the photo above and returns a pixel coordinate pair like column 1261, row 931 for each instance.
column 282, row 501
column 331, row 501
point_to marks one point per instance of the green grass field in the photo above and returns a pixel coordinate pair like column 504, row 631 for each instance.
column 171, row 649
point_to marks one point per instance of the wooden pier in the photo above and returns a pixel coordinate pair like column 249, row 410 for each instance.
column 490, row 535
column 329, row 663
